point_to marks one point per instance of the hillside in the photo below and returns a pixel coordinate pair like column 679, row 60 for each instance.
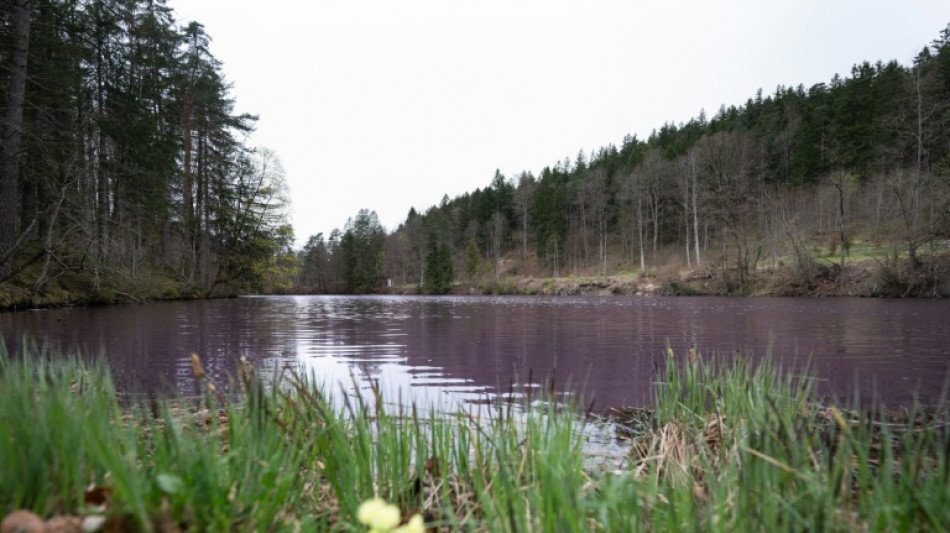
column 797, row 181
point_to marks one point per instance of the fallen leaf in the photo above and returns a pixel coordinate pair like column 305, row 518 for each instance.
column 169, row 483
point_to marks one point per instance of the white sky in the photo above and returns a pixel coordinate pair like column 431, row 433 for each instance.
column 392, row 104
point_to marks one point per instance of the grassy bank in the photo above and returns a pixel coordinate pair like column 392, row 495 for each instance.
column 93, row 287
column 725, row 448
column 868, row 272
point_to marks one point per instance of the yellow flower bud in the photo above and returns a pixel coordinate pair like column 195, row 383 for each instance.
column 415, row 525
column 378, row 515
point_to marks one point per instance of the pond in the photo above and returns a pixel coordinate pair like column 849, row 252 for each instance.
column 471, row 349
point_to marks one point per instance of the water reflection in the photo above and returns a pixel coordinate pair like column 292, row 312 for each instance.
column 465, row 349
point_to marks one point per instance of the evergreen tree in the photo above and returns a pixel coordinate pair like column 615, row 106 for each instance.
column 131, row 157
column 361, row 249
column 11, row 133
column 472, row 258
column 439, row 272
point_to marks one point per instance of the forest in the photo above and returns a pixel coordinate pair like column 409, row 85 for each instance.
column 799, row 180
column 126, row 173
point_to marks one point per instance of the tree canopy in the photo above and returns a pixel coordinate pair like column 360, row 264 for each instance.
column 131, row 157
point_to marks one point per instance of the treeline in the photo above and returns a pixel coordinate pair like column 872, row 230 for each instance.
column 762, row 182
column 123, row 155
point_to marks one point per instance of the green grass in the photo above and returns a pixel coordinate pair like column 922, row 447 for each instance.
column 726, row 447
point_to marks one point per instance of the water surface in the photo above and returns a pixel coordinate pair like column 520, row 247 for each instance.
column 472, row 348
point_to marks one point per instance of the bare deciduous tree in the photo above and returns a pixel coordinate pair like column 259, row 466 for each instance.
column 730, row 164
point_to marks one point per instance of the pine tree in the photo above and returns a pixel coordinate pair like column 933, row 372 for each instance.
column 439, row 271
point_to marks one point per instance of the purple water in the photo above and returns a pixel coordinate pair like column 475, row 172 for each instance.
column 471, row 348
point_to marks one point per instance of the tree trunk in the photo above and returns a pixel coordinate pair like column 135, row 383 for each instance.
column 586, row 244
column 655, row 208
column 524, row 230
column 186, row 186
column 12, row 133
column 102, row 185
column 841, row 221
column 689, row 262
column 695, row 186
column 643, row 259
column 912, row 248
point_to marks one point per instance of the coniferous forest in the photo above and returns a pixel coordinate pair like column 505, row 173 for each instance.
column 126, row 174
column 125, row 169
column 798, row 180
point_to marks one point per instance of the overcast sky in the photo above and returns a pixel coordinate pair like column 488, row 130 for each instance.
column 392, row 104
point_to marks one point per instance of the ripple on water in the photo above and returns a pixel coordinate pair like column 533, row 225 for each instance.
column 603, row 348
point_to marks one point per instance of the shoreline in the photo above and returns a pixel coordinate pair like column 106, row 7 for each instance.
column 861, row 278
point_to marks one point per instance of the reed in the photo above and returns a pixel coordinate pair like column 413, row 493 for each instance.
column 727, row 446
